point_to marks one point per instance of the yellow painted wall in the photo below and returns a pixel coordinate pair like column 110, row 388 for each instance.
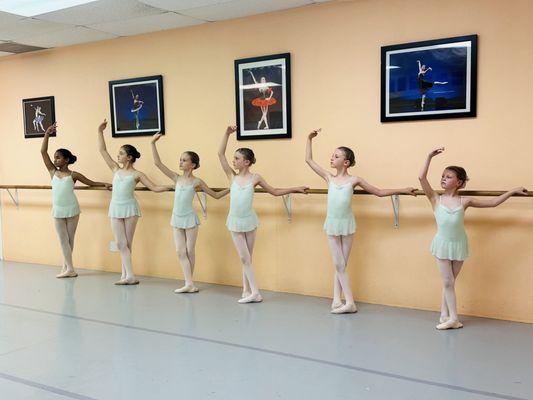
column 335, row 50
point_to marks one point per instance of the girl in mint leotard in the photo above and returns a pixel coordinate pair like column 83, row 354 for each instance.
column 124, row 210
column 184, row 220
column 65, row 207
column 450, row 244
column 340, row 223
column 242, row 220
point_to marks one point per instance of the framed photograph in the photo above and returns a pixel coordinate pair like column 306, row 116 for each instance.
column 429, row 80
column 263, row 97
column 39, row 113
column 137, row 106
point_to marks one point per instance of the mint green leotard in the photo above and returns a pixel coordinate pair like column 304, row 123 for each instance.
column 339, row 219
column 450, row 242
column 123, row 203
column 183, row 215
column 64, row 201
column 242, row 217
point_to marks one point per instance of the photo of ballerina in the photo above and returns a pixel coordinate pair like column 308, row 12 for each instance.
column 137, row 106
column 429, row 80
column 263, row 97
column 39, row 113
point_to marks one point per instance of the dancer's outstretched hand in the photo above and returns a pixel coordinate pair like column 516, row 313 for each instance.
column 301, row 189
column 411, row 191
column 314, row 133
column 436, row 152
column 521, row 190
column 51, row 129
column 102, row 126
column 231, row 129
column 156, row 137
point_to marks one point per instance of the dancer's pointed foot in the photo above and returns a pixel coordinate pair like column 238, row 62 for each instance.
column 450, row 324
column 67, row 274
column 187, row 289
column 253, row 298
column 336, row 304
column 345, row 309
column 124, row 282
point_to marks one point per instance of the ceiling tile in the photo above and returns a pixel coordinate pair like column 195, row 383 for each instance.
column 173, row 5
column 242, row 8
column 67, row 37
column 150, row 23
column 7, row 18
column 27, row 27
column 100, row 11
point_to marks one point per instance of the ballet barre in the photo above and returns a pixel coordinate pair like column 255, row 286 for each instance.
column 287, row 199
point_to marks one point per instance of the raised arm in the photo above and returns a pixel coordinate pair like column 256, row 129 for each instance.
column 419, row 66
column 383, row 192
column 102, row 148
column 151, row 185
column 157, row 160
column 495, row 201
column 253, row 77
column 222, row 152
column 279, row 191
column 211, row 192
column 76, row 176
column 422, row 177
column 309, row 156
column 44, row 150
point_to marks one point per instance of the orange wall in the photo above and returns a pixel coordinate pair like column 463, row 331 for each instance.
column 335, row 50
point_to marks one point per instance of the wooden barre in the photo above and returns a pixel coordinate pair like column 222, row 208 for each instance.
column 260, row 190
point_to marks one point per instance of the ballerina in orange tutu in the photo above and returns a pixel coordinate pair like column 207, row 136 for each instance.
column 264, row 100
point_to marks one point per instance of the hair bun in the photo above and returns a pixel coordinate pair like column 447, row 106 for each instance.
column 72, row 159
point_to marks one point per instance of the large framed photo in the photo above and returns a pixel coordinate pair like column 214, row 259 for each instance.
column 430, row 79
column 137, row 106
column 39, row 114
column 263, row 97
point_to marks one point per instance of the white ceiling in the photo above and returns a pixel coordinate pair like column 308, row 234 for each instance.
column 107, row 19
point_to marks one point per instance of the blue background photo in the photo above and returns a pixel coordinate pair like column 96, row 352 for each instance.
column 148, row 114
column 447, row 65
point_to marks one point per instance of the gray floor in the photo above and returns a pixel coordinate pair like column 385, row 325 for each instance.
column 87, row 339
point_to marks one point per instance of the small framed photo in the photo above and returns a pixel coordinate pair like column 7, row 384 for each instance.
column 429, row 80
column 263, row 97
column 137, row 106
column 39, row 114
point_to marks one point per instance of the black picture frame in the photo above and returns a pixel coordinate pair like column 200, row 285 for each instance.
column 137, row 106
column 263, row 97
column 38, row 113
column 411, row 89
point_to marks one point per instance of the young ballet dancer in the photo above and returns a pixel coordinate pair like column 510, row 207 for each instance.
column 450, row 244
column 242, row 221
column 65, row 207
column 124, row 210
column 340, row 222
column 184, row 221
